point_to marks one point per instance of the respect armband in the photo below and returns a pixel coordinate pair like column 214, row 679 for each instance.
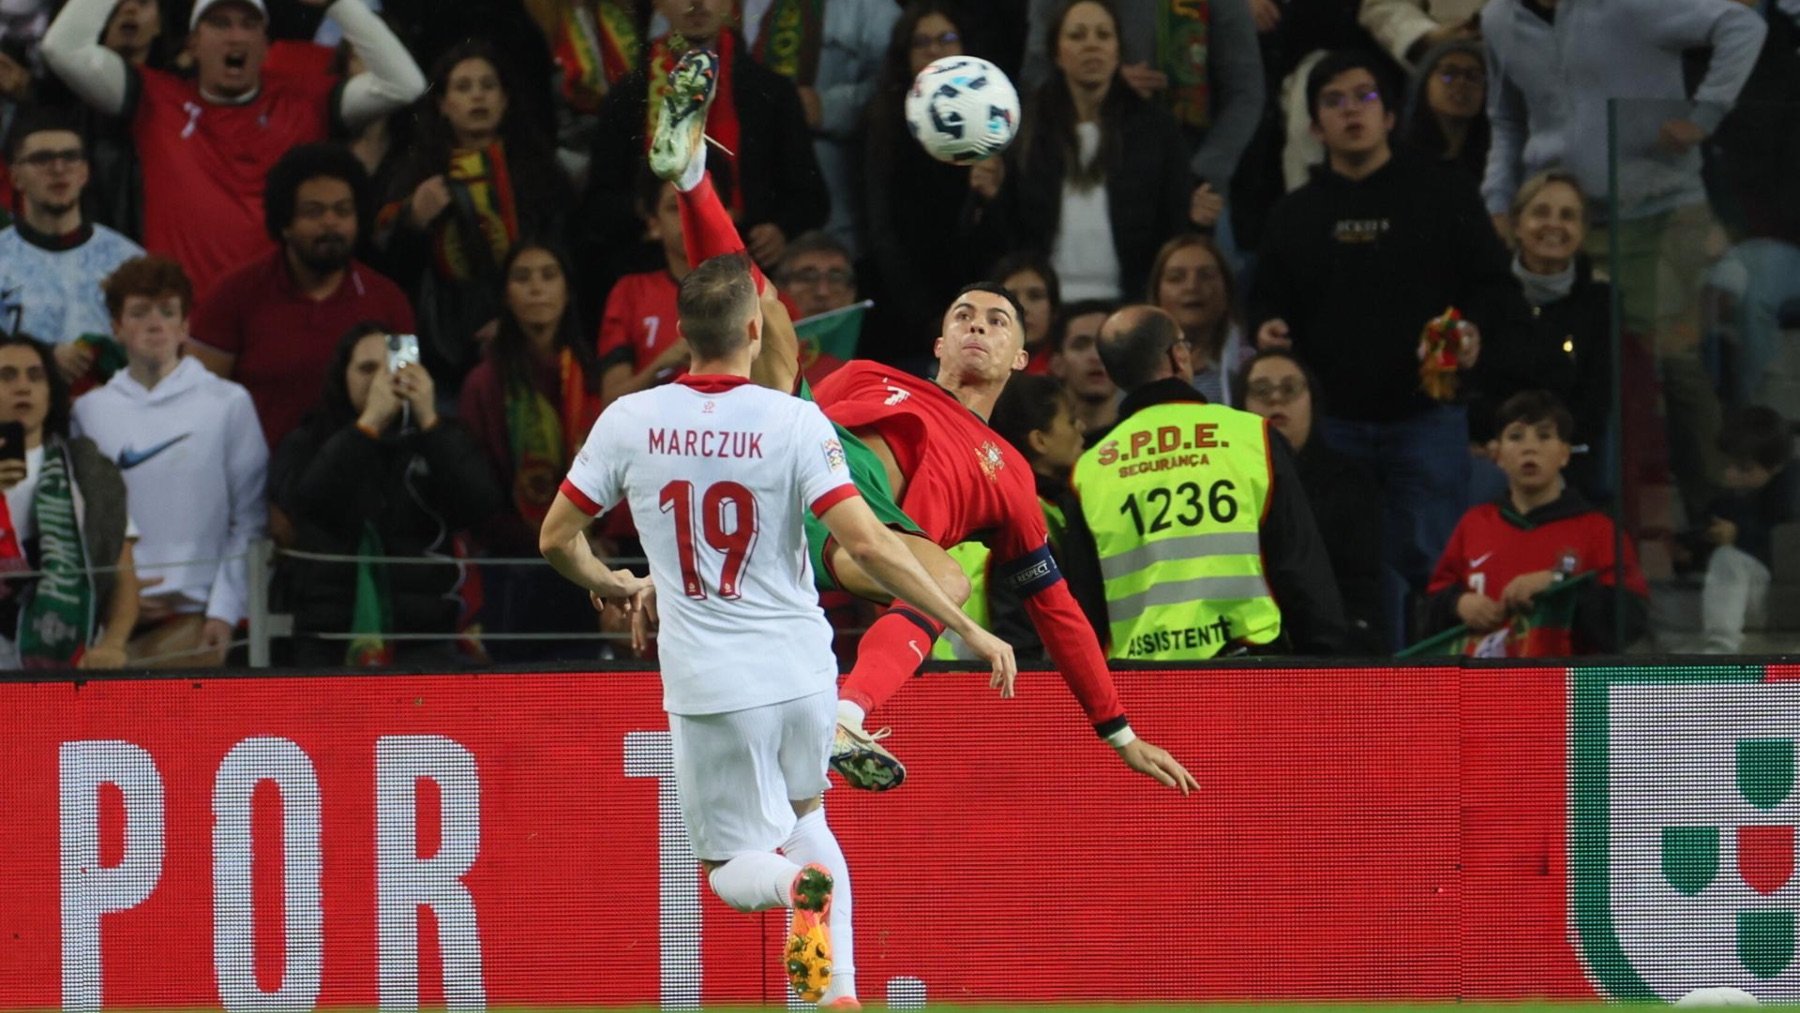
column 1028, row 574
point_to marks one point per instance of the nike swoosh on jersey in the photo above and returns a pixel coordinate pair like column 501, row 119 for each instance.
column 129, row 458
column 1478, row 560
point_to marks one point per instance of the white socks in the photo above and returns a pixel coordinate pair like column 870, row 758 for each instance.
column 755, row 881
column 850, row 714
column 695, row 171
column 812, row 841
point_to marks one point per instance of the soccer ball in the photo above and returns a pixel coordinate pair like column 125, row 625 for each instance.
column 962, row 109
column 1718, row 997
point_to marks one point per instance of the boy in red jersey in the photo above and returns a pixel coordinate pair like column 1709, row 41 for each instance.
column 1503, row 554
column 924, row 451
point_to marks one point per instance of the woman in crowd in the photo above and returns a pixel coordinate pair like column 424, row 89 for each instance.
column 913, row 201
column 64, row 515
column 1191, row 281
column 530, row 404
column 478, row 179
column 1098, row 177
column 1345, row 498
column 1032, row 281
column 375, row 471
column 1446, row 107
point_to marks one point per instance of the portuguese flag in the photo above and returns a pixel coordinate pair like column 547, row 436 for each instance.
column 1544, row 632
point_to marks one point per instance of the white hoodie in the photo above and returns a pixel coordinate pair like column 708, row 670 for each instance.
column 195, row 467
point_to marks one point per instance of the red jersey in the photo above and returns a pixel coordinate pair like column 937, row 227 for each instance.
column 204, row 164
column 1491, row 546
column 964, row 483
column 639, row 322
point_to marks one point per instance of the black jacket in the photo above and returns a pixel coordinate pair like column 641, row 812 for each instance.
column 1295, row 562
column 1148, row 190
column 774, row 172
column 1357, row 268
column 417, row 489
column 1346, row 504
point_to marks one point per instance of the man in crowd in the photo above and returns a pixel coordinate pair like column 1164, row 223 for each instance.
column 194, row 464
column 207, row 142
column 815, row 272
column 1195, row 511
column 52, row 259
column 273, row 324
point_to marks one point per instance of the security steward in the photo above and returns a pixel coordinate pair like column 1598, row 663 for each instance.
column 1205, row 541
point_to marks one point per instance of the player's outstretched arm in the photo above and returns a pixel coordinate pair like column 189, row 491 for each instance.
column 563, row 541
column 1148, row 758
column 777, row 366
column 883, row 556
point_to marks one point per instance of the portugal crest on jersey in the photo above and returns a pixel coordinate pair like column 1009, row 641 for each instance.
column 1682, row 816
column 991, row 460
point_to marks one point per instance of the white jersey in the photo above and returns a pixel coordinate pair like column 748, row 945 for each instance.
column 718, row 472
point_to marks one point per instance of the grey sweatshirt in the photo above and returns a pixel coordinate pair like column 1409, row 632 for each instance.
column 1548, row 86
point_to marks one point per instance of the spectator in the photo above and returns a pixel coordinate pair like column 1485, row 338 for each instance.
column 206, row 144
column 530, row 404
column 1446, row 107
column 597, row 43
column 477, row 179
column 1410, row 29
column 914, row 202
column 640, row 344
column 1261, row 578
column 52, row 258
column 268, row 323
column 832, row 53
column 1553, row 73
column 816, row 276
column 756, row 114
column 374, row 471
column 1034, row 283
column 194, row 465
column 1353, row 267
column 1093, row 399
column 1570, row 349
column 1108, row 180
column 1200, row 61
column 64, row 515
column 136, row 32
column 1191, row 281
column 1345, row 499
column 1761, row 493
column 1505, row 553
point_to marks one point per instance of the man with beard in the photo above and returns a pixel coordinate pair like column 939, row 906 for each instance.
column 52, row 259
column 273, row 323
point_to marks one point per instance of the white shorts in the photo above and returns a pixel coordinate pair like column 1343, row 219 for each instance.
column 739, row 773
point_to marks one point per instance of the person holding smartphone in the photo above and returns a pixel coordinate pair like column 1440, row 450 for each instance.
column 191, row 453
column 63, row 520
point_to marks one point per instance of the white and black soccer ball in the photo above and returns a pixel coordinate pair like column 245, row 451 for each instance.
column 962, row 109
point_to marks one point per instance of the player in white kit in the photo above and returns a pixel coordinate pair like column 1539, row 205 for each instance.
column 718, row 471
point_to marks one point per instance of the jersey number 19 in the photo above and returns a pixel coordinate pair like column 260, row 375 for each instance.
column 727, row 522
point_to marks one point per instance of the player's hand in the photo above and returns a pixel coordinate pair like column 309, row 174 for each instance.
column 1524, row 588
column 999, row 656
column 987, row 176
column 766, row 243
column 1273, row 335
column 642, row 607
column 1148, row 758
column 1143, row 78
column 1205, row 207
column 73, row 359
column 429, row 201
column 1479, row 612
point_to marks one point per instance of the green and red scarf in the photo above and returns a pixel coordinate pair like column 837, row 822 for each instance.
column 545, row 437
column 1183, row 42
column 56, row 618
column 788, row 44
column 594, row 49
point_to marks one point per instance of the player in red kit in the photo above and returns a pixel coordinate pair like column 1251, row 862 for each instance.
column 925, row 451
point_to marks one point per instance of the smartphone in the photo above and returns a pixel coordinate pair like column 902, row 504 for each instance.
column 12, row 441
column 403, row 350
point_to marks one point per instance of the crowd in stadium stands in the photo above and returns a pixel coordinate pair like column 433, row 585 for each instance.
column 1403, row 232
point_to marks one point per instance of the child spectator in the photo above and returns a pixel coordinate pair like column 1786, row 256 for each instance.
column 1504, row 554
column 1034, row 283
column 1761, row 492
column 194, row 464
column 1446, row 108
column 640, row 345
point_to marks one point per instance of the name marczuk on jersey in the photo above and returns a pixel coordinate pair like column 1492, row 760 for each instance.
column 706, row 443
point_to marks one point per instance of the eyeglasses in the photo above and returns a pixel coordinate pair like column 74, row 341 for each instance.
column 45, row 159
column 941, row 39
column 808, row 277
column 1347, row 100
column 1270, row 390
column 1473, row 75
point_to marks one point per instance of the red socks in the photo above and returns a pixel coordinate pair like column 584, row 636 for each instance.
column 898, row 642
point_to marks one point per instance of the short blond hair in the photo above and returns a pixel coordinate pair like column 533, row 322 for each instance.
column 1529, row 190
